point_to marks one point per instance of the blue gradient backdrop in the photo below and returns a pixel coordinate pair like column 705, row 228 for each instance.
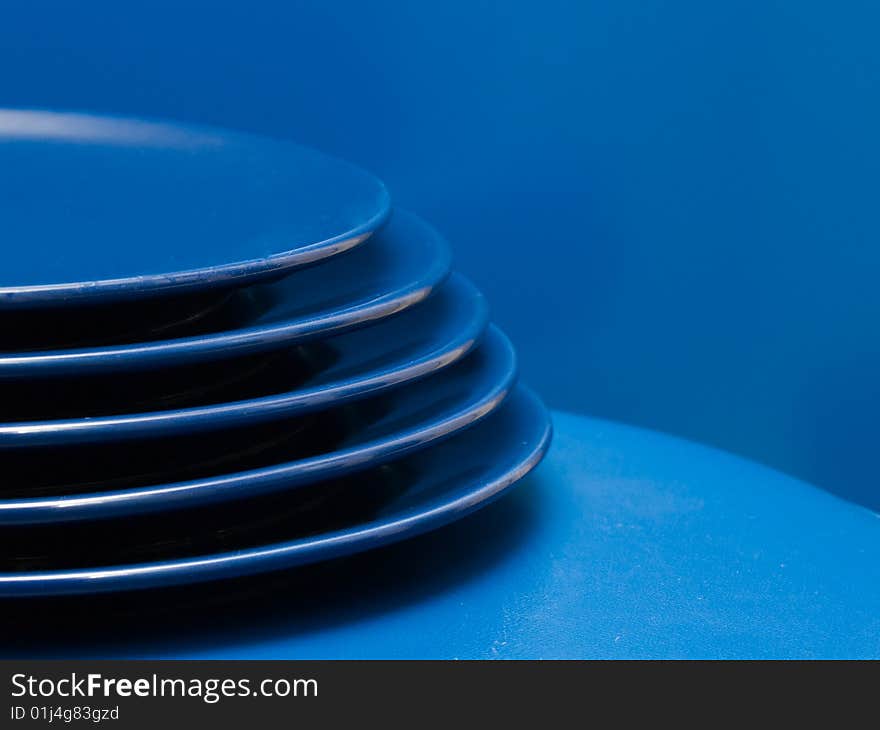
column 671, row 206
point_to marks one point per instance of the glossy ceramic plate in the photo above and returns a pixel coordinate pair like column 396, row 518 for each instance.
column 99, row 208
column 79, row 483
column 397, row 268
column 416, row 494
column 365, row 362
column 159, row 318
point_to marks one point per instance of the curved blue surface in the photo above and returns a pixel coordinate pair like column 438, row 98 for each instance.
column 623, row 544
column 397, row 268
column 403, row 348
column 96, row 208
column 409, row 419
column 442, row 485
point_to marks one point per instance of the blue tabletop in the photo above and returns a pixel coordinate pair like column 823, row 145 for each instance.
column 624, row 543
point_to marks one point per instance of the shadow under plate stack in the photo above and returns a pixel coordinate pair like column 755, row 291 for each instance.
column 223, row 355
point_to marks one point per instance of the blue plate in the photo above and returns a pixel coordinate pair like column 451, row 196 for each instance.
column 416, row 494
column 376, row 431
column 397, row 268
column 99, row 208
column 365, row 362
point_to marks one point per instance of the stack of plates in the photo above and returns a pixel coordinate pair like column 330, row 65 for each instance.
column 221, row 355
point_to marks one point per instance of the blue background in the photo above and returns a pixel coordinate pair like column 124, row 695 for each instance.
column 672, row 207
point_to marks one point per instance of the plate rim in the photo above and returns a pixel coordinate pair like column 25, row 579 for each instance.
column 229, row 343
column 302, row 551
column 216, row 488
column 377, row 380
